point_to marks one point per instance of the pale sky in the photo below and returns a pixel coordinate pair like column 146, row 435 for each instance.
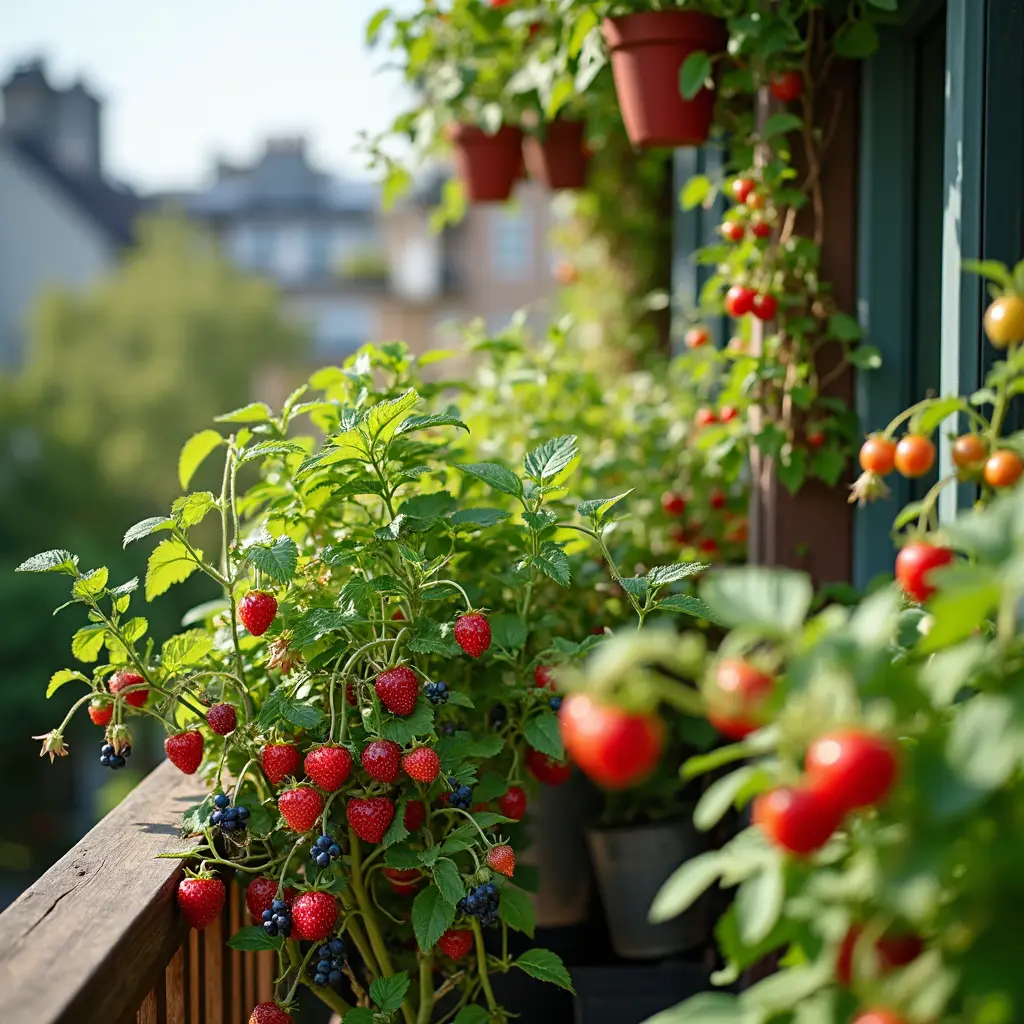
column 187, row 80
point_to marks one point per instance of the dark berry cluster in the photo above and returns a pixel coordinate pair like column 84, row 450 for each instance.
column 328, row 969
column 482, row 903
column 110, row 758
column 461, row 796
column 555, row 702
column 436, row 693
column 278, row 919
column 226, row 817
column 325, row 849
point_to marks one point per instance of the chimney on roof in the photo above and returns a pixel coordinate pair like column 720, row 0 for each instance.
column 294, row 145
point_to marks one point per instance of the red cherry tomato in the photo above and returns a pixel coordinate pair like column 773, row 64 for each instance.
column 852, row 768
column 765, row 307
column 915, row 455
column 969, row 451
column 739, row 301
column 1003, row 469
column 798, row 819
column 891, row 951
column 787, row 86
column 718, row 498
column 815, row 438
column 761, row 229
column 673, row 503
column 914, row 564
column 741, row 189
column 736, row 698
column 727, row 413
column 615, row 748
column 878, row 455
column 755, row 201
column 708, row 545
column 732, row 231
column 705, row 417
column 696, row 337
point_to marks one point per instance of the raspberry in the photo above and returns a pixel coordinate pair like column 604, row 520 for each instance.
column 381, row 759
column 261, row 892
column 315, row 915
column 397, row 689
column 279, row 760
column 370, row 818
column 328, row 767
column 502, row 859
column 257, row 610
column 415, row 815
column 185, row 750
column 513, row 803
column 456, row 942
column 101, row 712
column 422, row 765
column 122, row 680
column 473, row 634
column 222, row 719
column 201, row 900
column 300, row 807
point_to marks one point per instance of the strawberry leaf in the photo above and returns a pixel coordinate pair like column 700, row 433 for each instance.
column 432, row 916
column 544, row 965
column 516, row 910
column 388, row 992
column 62, row 676
column 278, row 561
column 193, row 454
column 449, row 881
column 57, row 560
column 543, row 733
column 254, row 938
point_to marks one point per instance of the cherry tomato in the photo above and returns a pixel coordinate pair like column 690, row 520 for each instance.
column 741, row 189
column 765, row 307
column 787, row 86
column 1003, row 469
column 732, row 231
column 615, row 748
column 566, row 273
column 815, row 437
column 915, row 455
column 705, row 417
column 696, row 337
column 969, row 451
column 852, row 768
column 891, row 951
column 736, row 698
column 878, row 455
column 798, row 819
column 761, row 229
column 718, row 498
column 546, row 769
column 674, row 504
column 914, row 564
column 879, row 1017
column 708, row 545
column 1004, row 321
column 739, row 301
column 755, row 201
column 727, row 413
column 501, row 3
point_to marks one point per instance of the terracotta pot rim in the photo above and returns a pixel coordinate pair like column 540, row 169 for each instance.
column 643, row 27
column 464, row 133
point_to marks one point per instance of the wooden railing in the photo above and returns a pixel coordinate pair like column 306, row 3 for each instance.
column 99, row 940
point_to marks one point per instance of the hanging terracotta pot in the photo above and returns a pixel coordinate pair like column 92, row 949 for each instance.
column 559, row 159
column 647, row 52
column 488, row 165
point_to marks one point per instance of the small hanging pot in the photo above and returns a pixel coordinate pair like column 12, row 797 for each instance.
column 560, row 158
column 488, row 165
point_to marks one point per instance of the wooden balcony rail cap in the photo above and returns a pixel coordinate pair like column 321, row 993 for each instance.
column 91, row 938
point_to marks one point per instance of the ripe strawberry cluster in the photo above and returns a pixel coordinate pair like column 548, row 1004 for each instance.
column 329, row 968
column 481, row 902
column 227, row 817
column 111, row 758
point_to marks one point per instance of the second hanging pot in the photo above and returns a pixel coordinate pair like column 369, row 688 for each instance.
column 488, row 165
column 559, row 158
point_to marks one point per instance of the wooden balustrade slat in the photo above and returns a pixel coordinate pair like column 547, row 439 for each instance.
column 175, row 987
column 213, row 972
column 148, row 1010
column 195, row 980
column 110, row 906
column 234, row 961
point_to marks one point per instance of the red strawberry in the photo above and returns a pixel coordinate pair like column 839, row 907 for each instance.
column 473, row 633
column 222, row 719
column 279, row 760
column 328, row 767
column 398, row 615
column 122, row 680
column 261, row 892
column 456, row 942
column 502, row 859
column 300, row 807
column 381, row 759
column 513, row 803
column 422, row 764
column 257, row 610
column 314, row 915
column 269, row 1013
column 415, row 815
column 543, row 676
column 370, row 818
column 201, row 900
column 397, row 689
column 350, row 694
column 185, row 750
column 547, row 769
column 404, row 882
column 101, row 712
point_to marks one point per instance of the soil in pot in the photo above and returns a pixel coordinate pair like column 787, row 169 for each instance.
column 631, row 863
column 488, row 165
column 559, row 158
column 647, row 52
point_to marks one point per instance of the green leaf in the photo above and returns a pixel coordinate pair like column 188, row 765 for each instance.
column 317, row 623
column 540, row 521
column 57, row 560
column 92, row 583
column 170, row 562
column 278, row 561
column 993, row 270
column 543, row 733
column 87, row 643
column 498, row 477
column 197, row 817
column 401, row 857
column 635, row 586
column 62, row 676
column 843, row 327
column 554, row 563
column 660, row 575
column 891, row 5
column 706, row 1008
column 508, row 632
column 935, row 412
column 468, row 517
column 986, row 741
column 695, row 191
column 449, row 881
column 544, row 965
column 759, row 902
column 193, row 454
column 382, row 420
column 190, row 510
column 265, row 449
column 792, row 472
column 359, row 1015
column 694, row 73
column 185, row 649
column 686, row 885
column 432, row 916
column 547, row 461
column 442, row 590
column 597, row 508
column 403, row 730
column 781, row 124
column 688, row 605
column 749, row 596
column 430, row 637
column 397, row 832
column 716, row 800
column 280, row 707
column 254, row 412
column 254, row 938
column 145, row 528
column 389, row 992
column 856, row 40
column 441, row 419
column 516, row 910
column 472, row 1015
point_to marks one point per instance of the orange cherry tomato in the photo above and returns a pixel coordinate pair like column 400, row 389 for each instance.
column 878, row 455
column 969, row 451
column 915, row 455
column 1003, row 469
column 1004, row 321
column 696, row 337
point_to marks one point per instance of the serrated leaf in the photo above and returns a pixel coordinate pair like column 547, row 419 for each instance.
column 145, row 528
column 516, row 910
column 317, row 623
column 460, row 699
column 254, row 412
column 382, row 420
column 430, row 637
column 279, row 561
column 396, row 833
column 126, row 588
column 479, row 517
column 254, row 938
column 193, row 453
column 498, row 477
column 540, row 521
column 197, row 817
column 543, row 733
column 359, row 1015
column 191, row 509
column 280, row 707
column 265, row 449
column 597, row 508
column 185, row 649
column 554, row 563
column 440, row 419
column 92, row 583
column 547, row 461
column 169, row 563
column 389, row 991
column 441, row 591
column 404, row 729
column 432, row 916
column 544, row 965
column 660, row 575
column 62, row 676
column 508, row 632
column 635, row 586
column 781, row 124
column 689, row 605
column 449, row 881
column 401, row 856
column 485, row 819
column 57, row 560
column 87, row 643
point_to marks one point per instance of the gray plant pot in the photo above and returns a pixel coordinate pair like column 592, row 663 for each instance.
column 631, row 864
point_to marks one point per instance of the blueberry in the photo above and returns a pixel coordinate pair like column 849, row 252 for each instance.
column 270, row 928
column 452, row 781
column 105, row 761
column 267, row 915
column 490, row 888
column 334, row 850
column 334, row 977
column 323, row 842
column 106, row 749
column 324, row 952
column 278, row 905
column 320, row 979
column 555, row 702
column 461, row 905
column 441, row 687
column 117, row 761
column 337, row 946
column 323, row 967
column 221, row 801
column 217, row 817
column 322, row 860
column 243, row 813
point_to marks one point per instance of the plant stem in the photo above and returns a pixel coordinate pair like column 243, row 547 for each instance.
column 481, row 963
column 426, row 989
